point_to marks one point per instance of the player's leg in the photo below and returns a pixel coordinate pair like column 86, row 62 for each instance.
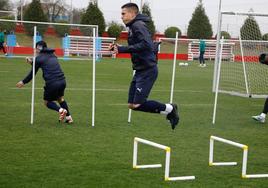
column 49, row 98
column 143, row 84
column 1, row 46
column 61, row 85
column 4, row 50
column 203, row 59
column 64, row 105
column 51, row 105
column 200, row 59
column 51, row 95
column 262, row 116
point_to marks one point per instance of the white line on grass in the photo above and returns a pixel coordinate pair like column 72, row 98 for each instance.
column 125, row 104
column 116, row 90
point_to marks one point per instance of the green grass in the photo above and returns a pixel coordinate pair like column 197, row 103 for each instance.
column 49, row 154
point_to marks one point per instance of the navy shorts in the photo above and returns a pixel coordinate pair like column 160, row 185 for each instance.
column 54, row 91
column 141, row 85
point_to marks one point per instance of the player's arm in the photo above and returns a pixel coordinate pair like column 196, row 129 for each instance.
column 144, row 38
column 20, row 84
column 29, row 76
column 29, row 60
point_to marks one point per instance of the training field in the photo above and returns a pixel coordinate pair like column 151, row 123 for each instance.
column 50, row 154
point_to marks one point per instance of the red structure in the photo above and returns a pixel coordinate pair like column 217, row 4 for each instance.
column 19, row 28
column 50, row 31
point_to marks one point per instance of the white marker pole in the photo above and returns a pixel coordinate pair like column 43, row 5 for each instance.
column 33, row 76
column 174, row 68
column 130, row 111
column 93, row 77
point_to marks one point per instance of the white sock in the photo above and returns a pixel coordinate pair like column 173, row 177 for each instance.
column 168, row 109
column 263, row 115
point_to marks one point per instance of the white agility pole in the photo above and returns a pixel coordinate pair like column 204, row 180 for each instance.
column 174, row 68
column 217, row 47
column 245, row 157
column 167, row 162
column 93, row 77
column 129, row 116
column 243, row 63
column 33, row 76
column 130, row 111
column 217, row 83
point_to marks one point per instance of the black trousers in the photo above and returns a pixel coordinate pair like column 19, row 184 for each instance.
column 265, row 108
column 201, row 57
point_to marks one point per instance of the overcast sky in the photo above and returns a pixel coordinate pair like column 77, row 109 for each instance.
column 179, row 12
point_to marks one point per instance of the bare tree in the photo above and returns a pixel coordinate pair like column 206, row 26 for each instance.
column 4, row 5
column 77, row 13
column 54, row 8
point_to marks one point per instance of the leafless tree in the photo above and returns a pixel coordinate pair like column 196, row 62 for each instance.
column 53, row 8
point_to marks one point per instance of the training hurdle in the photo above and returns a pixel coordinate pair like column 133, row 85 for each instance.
column 245, row 157
column 167, row 164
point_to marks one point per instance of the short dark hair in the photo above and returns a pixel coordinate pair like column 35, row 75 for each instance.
column 41, row 44
column 132, row 6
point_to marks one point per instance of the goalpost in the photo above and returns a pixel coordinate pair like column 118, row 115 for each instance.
column 244, row 76
column 37, row 30
column 12, row 12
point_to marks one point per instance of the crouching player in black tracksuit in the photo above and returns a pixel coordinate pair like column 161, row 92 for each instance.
column 144, row 61
column 54, row 80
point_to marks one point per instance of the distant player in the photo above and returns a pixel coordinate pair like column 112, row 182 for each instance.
column 202, row 50
column 144, row 61
column 2, row 41
column 54, row 80
column 263, row 59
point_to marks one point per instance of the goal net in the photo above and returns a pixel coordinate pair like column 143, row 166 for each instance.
column 243, row 75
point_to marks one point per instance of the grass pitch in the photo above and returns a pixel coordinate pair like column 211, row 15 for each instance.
column 49, row 154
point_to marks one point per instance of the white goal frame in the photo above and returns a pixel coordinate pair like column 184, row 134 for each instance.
column 218, row 61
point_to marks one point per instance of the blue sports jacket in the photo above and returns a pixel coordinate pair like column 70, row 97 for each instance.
column 48, row 62
column 140, row 44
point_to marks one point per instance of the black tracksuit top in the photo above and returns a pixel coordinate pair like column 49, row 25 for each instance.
column 140, row 44
column 48, row 62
